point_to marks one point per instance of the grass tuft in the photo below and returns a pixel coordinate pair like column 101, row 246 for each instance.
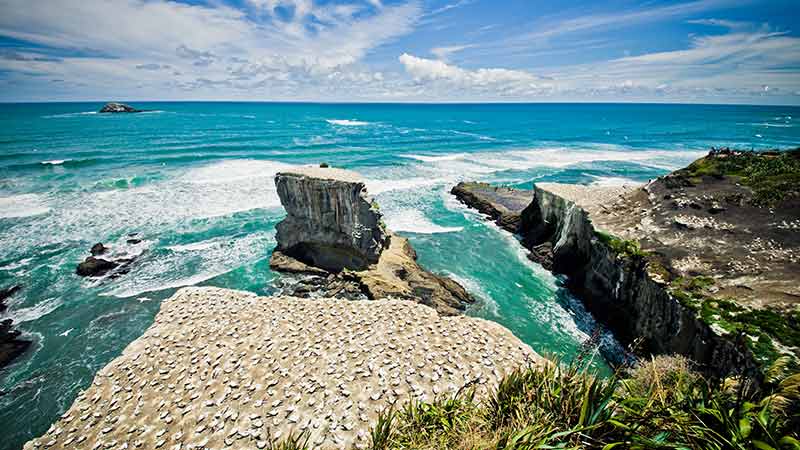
column 661, row 403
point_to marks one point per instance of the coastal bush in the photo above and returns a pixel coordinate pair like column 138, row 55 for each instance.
column 773, row 176
column 621, row 247
column 660, row 403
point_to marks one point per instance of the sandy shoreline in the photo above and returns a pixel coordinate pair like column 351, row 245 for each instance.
column 228, row 369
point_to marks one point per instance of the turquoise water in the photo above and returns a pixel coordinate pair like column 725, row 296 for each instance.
column 195, row 181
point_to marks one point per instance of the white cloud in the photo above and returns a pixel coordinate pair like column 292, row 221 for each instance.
column 444, row 53
column 205, row 45
column 492, row 80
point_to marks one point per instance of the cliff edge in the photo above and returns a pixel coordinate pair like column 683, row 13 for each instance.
column 702, row 262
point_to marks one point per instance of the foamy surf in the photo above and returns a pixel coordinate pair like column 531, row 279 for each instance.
column 55, row 162
column 413, row 221
column 347, row 122
column 23, row 205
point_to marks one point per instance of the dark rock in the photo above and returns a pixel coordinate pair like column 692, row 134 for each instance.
column 114, row 107
column 504, row 205
column 95, row 267
column 11, row 346
column 98, row 249
column 133, row 241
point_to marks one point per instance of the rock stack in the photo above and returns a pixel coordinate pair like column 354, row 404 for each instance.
column 330, row 222
column 333, row 232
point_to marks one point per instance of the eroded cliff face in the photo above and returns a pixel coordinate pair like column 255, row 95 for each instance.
column 620, row 290
column 334, row 237
column 330, row 222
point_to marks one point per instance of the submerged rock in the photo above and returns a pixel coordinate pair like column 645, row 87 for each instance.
column 115, row 107
column 334, row 230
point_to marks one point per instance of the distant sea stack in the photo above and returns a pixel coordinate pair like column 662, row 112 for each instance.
column 114, row 107
column 334, row 233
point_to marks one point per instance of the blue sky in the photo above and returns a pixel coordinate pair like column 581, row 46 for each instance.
column 705, row 51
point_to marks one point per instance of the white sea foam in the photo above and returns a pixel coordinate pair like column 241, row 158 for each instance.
column 379, row 186
column 74, row 114
column 475, row 135
column 476, row 290
column 347, row 122
column 436, row 158
column 37, row 311
column 55, row 162
column 193, row 247
column 159, row 271
column 22, row 205
column 313, row 140
column 16, row 265
column 413, row 221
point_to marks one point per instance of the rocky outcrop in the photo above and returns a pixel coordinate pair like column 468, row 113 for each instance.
column 221, row 368
column 620, row 290
column 330, row 222
column 114, row 107
column 333, row 232
column 502, row 204
column 103, row 261
column 11, row 344
column 95, row 267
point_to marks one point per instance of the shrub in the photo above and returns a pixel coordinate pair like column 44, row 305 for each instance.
column 659, row 404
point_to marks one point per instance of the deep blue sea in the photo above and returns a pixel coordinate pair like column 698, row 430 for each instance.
column 195, row 180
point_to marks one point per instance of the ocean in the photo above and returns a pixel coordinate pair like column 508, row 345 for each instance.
column 195, row 181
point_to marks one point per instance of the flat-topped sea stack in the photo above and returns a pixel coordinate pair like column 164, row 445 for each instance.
column 330, row 222
column 228, row 369
column 333, row 231
column 703, row 262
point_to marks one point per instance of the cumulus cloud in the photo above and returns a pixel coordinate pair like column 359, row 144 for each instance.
column 432, row 70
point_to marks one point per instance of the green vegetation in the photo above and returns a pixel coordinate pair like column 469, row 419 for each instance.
column 773, row 176
column 621, row 247
column 660, row 404
column 764, row 325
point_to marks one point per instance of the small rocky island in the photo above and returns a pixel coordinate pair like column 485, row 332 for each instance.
column 334, row 235
column 702, row 262
column 115, row 107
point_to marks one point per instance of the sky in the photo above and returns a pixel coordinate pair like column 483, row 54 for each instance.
column 700, row 51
